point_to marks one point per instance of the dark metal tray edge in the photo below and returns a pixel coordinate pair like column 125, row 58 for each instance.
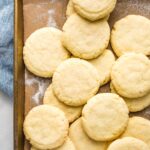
column 19, row 95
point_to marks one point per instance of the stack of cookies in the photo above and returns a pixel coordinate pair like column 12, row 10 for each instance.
column 74, row 116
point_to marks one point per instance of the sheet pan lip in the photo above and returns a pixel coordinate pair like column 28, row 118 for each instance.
column 18, row 115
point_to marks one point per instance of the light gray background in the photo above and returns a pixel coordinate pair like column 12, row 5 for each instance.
column 6, row 122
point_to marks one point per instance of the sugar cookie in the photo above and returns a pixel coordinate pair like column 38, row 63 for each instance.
column 104, row 63
column 68, row 145
column 131, row 34
column 131, row 75
column 85, row 39
column 128, row 143
column 81, row 140
column 75, row 81
column 70, row 9
column 43, row 51
column 46, row 127
column 139, row 128
column 71, row 113
column 94, row 10
column 105, row 117
column 135, row 104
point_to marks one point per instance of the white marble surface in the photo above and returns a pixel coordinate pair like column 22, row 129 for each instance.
column 6, row 122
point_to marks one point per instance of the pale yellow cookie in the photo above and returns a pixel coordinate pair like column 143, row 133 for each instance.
column 139, row 128
column 81, row 140
column 32, row 148
column 75, row 81
column 128, row 143
column 85, row 39
column 131, row 75
column 46, row 127
column 70, row 9
column 135, row 104
column 105, row 117
column 43, row 51
column 68, row 145
column 71, row 113
column 131, row 34
column 104, row 63
column 95, row 9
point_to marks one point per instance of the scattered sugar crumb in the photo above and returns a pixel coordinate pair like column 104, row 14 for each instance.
column 51, row 21
column 53, row 1
column 42, row 84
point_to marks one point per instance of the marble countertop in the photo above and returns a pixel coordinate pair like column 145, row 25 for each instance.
column 6, row 122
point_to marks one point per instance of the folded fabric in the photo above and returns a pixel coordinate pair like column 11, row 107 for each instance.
column 6, row 46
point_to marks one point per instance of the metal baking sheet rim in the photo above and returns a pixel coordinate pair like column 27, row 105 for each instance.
column 19, row 94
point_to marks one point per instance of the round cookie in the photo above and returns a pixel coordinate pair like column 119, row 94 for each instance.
column 71, row 113
column 94, row 10
column 32, row 148
column 135, row 104
column 104, row 63
column 139, row 128
column 134, row 31
column 128, row 143
column 46, row 127
column 43, row 51
column 68, row 145
column 129, row 71
column 105, row 117
column 70, row 9
column 81, row 140
column 85, row 39
column 75, row 81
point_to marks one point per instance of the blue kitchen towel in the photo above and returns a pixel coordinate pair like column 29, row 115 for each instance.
column 6, row 46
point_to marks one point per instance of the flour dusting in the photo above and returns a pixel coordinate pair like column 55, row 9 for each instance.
column 53, row 1
column 30, row 81
column 135, row 7
column 51, row 21
column 41, row 84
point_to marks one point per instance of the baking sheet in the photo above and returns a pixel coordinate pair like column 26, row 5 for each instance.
column 41, row 13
